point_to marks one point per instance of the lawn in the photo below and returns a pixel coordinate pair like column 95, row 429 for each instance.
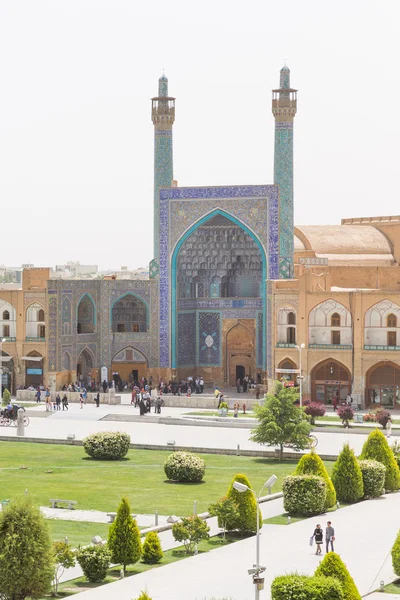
column 99, row 485
column 393, row 588
column 79, row 533
column 81, row 584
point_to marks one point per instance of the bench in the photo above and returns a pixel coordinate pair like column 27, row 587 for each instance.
column 70, row 503
column 171, row 443
column 358, row 418
column 111, row 516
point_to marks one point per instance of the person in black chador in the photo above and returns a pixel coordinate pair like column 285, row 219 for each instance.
column 142, row 407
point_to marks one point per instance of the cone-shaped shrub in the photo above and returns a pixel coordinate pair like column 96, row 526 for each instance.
column 377, row 448
column 396, row 555
column 152, row 551
column 311, row 464
column 333, row 566
column 144, row 596
column 347, row 477
column 301, row 587
column 373, row 473
column 124, row 537
column 245, row 521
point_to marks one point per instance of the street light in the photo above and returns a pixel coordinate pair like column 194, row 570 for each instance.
column 300, row 348
column 1, row 366
column 241, row 487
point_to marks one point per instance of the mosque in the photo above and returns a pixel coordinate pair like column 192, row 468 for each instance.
column 236, row 289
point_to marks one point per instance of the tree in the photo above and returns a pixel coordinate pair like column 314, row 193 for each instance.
column 346, row 413
column 124, row 537
column 382, row 417
column 190, row 531
column 396, row 555
column 94, row 562
column 26, row 557
column 376, row 447
column 281, row 422
column 152, row 551
column 6, row 397
column 246, row 519
column 347, row 476
column 64, row 558
column 311, row 464
column 333, row 566
column 314, row 409
column 225, row 510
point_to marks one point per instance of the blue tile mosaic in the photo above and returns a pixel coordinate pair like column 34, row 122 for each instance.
column 209, row 338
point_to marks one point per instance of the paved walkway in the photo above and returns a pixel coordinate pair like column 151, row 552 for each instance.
column 96, row 516
column 283, row 549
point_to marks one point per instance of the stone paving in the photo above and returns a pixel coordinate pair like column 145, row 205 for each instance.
column 96, row 516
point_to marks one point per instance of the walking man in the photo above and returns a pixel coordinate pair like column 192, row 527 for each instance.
column 329, row 536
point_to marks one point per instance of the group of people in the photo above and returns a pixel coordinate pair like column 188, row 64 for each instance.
column 187, row 386
column 318, row 537
column 57, row 403
column 142, row 398
column 248, row 383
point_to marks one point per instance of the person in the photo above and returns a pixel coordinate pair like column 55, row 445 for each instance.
column 236, row 409
column 319, row 538
column 258, row 390
column 38, row 395
column 220, row 400
column 48, row 404
column 329, row 536
column 201, row 385
column 81, row 400
column 238, row 385
column 142, row 406
column 133, row 396
column 65, row 402
column 97, row 399
column 104, row 386
column 58, row 402
column 334, row 403
column 245, row 383
column 389, row 428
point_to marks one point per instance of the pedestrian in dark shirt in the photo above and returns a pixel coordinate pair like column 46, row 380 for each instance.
column 319, row 538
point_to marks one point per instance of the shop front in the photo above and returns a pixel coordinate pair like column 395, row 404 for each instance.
column 383, row 385
column 329, row 380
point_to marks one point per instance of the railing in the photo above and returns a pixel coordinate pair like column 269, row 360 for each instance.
column 331, row 346
column 34, row 339
column 9, row 339
column 284, row 345
column 369, row 347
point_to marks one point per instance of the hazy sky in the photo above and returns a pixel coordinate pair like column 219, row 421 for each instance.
column 76, row 138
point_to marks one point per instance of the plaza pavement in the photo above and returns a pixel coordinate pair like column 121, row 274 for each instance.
column 365, row 533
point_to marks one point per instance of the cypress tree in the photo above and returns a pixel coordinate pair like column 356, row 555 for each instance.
column 26, row 553
column 124, row 537
column 245, row 521
column 376, row 447
column 152, row 551
column 333, row 566
column 347, row 476
column 311, row 464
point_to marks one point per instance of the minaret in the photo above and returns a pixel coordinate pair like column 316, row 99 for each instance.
column 163, row 117
column 284, row 107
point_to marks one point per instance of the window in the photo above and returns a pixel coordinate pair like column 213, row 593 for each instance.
column 129, row 355
column 6, row 315
column 392, row 338
column 336, row 338
column 335, row 320
column 41, row 315
column 42, row 331
column 120, row 327
column 291, row 319
column 392, row 321
column 6, row 331
column 135, row 327
column 291, row 335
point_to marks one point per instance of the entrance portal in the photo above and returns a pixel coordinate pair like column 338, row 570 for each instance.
column 383, row 385
column 34, row 369
column 330, row 379
column 129, row 366
column 240, row 352
column 240, row 373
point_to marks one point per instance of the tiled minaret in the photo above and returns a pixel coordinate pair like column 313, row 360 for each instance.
column 284, row 107
column 163, row 117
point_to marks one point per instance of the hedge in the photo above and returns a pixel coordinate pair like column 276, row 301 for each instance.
column 347, row 477
column 107, row 445
column 245, row 520
column 304, row 495
column 184, row 466
column 333, row 566
column 376, row 447
column 301, row 587
column 373, row 474
column 311, row 464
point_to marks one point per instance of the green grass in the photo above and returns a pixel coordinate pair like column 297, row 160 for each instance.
column 79, row 533
column 282, row 520
column 80, row 584
column 100, row 485
column 393, row 588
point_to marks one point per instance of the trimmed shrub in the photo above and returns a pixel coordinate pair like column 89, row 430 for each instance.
column 107, row 445
column 396, row 451
column 395, row 552
column 301, row 587
column 152, row 551
column 373, row 474
column 94, row 562
column 6, row 397
column 124, row 537
column 225, row 510
column 333, row 566
column 369, row 418
column 144, row 596
column 382, row 417
column 346, row 413
column 184, row 466
column 347, row 477
column 376, row 447
column 245, row 520
column 190, row 531
column 304, row 495
column 313, row 410
column 311, row 464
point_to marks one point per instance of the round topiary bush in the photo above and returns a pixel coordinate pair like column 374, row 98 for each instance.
column 107, row 445
column 184, row 466
column 300, row 587
column 304, row 495
column 94, row 562
column 373, row 474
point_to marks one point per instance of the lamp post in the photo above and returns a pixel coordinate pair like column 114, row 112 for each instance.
column 241, row 487
column 300, row 348
column 1, row 367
